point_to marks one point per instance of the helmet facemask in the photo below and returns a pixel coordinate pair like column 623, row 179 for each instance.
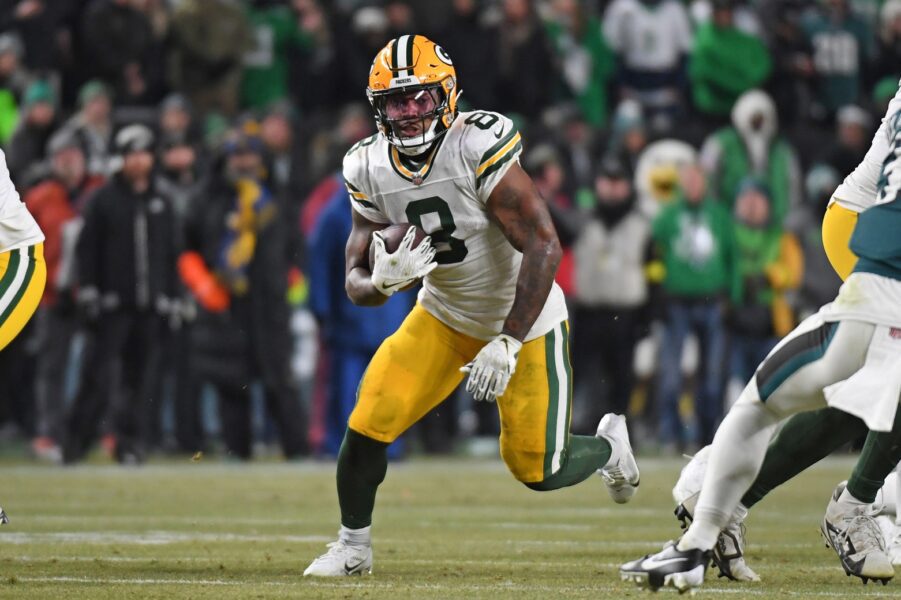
column 394, row 112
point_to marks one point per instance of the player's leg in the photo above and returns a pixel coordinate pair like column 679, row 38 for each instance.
column 790, row 380
column 413, row 370
column 23, row 274
column 848, row 525
column 804, row 440
column 535, row 415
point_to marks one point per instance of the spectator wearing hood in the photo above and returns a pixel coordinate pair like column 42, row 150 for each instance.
column 240, row 247
column 725, row 63
column 753, row 147
column 93, row 125
column 37, row 123
column 854, row 130
column 56, row 205
column 126, row 276
column 611, row 290
column 768, row 264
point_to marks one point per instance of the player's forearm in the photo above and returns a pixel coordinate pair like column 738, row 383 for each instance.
column 360, row 289
column 536, row 277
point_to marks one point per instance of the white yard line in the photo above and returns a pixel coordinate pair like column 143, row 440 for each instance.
column 370, row 583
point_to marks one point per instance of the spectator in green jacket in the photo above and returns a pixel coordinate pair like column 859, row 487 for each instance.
column 276, row 30
column 693, row 238
column 768, row 263
column 587, row 63
column 753, row 146
column 725, row 62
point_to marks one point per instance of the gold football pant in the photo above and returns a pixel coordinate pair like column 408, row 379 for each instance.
column 418, row 366
column 23, row 274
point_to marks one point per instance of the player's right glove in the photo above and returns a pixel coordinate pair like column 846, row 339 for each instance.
column 394, row 271
column 490, row 371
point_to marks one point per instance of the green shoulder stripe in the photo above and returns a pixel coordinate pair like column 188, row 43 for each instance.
column 503, row 142
column 497, row 165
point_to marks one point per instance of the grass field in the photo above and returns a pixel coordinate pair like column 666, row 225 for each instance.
column 444, row 529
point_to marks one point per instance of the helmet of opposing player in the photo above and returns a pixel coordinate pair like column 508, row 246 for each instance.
column 413, row 92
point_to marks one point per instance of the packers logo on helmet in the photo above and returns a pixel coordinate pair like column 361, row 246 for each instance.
column 407, row 64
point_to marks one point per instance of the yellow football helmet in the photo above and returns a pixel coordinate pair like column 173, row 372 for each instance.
column 407, row 64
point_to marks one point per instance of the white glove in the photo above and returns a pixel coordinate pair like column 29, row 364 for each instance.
column 492, row 368
column 391, row 272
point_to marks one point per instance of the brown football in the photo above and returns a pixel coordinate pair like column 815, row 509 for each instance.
column 393, row 236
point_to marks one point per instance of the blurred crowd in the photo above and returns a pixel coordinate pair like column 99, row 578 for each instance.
column 183, row 159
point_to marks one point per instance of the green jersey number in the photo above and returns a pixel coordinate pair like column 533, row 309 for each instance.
column 482, row 120
column 450, row 249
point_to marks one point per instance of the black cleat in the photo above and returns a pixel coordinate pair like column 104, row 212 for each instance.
column 671, row 567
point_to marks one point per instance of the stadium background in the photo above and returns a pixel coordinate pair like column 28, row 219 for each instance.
column 585, row 82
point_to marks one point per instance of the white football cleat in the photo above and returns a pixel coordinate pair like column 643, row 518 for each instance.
column 3, row 518
column 620, row 474
column 857, row 539
column 342, row 560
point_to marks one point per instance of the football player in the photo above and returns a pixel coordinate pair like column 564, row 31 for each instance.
column 847, row 356
column 808, row 437
column 488, row 309
column 23, row 272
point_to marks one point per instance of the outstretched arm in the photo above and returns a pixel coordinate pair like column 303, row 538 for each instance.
column 517, row 208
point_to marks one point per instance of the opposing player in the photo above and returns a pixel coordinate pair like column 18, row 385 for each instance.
column 488, row 308
column 848, row 356
column 806, row 438
column 23, row 272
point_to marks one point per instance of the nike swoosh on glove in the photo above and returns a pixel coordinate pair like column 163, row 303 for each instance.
column 398, row 269
column 492, row 368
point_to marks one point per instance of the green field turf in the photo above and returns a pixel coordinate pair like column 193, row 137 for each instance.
column 444, row 529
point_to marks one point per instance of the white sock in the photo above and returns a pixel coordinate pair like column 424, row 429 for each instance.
column 848, row 499
column 735, row 458
column 897, row 498
column 355, row 537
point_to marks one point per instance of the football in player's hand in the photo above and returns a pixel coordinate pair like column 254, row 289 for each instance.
column 393, row 236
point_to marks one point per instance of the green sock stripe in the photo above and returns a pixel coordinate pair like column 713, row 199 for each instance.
column 553, row 387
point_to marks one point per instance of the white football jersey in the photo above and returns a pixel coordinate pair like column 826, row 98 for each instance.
column 473, row 287
column 18, row 229
column 858, row 191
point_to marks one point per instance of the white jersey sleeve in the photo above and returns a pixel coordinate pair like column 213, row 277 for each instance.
column 858, row 191
column 491, row 145
column 356, row 171
column 18, row 228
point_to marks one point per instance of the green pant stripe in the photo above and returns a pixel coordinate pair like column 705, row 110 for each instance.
column 553, row 388
column 11, row 269
column 22, row 288
column 567, row 364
